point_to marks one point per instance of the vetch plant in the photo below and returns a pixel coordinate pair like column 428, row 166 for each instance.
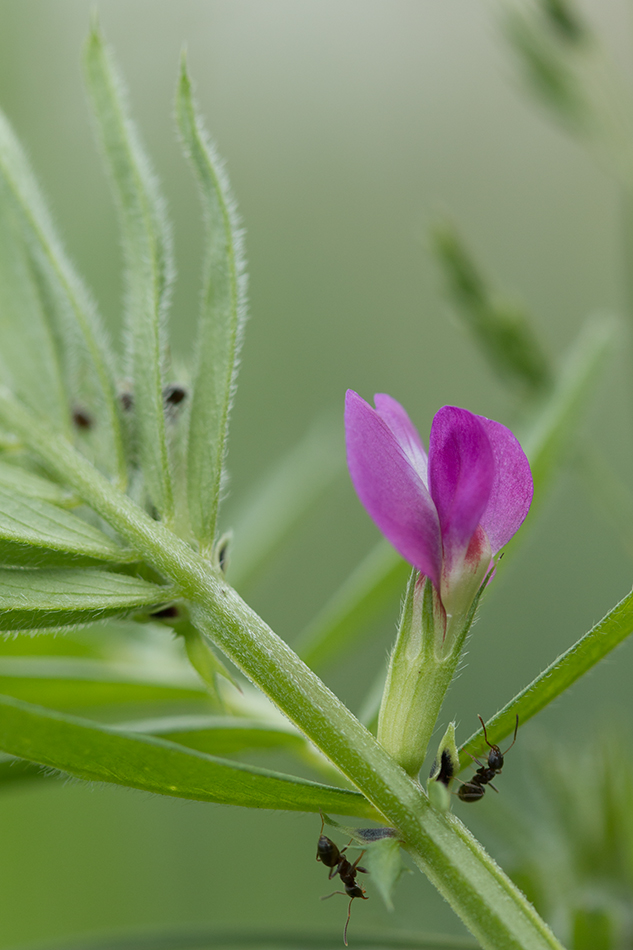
column 109, row 503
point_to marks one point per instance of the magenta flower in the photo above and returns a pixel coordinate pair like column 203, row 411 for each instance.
column 447, row 514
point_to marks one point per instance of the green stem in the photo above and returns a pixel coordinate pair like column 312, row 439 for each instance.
column 489, row 904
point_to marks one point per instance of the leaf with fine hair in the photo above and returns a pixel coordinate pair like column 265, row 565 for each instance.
column 34, row 533
column 30, row 600
column 73, row 319
column 555, row 679
column 221, row 321
column 74, row 683
column 29, row 360
column 14, row 478
column 149, row 265
column 219, row 735
column 101, row 753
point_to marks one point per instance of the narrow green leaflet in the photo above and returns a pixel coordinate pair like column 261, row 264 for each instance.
column 218, row 735
column 29, row 360
column 552, row 432
column 100, row 753
column 190, row 938
column 74, row 320
column 70, row 683
column 33, row 533
column 36, row 599
column 376, row 583
column 13, row 478
column 553, row 681
column 282, row 498
column 220, row 325
column 148, row 263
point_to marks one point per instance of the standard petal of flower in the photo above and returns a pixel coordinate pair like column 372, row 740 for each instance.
column 512, row 488
column 390, row 488
column 405, row 432
column 461, row 476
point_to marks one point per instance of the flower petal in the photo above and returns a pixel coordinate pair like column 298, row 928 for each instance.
column 390, row 488
column 461, row 476
column 512, row 488
column 405, row 432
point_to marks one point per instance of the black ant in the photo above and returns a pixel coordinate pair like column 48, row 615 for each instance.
column 473, row 790
column 329, row 854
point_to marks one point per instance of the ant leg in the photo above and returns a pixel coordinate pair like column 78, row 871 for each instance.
column 349, row 913
column 516, row 729
column 480, row 764
column 327, row 896
column 355, row 864
column 490, row 785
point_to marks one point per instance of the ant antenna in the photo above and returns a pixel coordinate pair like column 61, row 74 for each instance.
column 483, row 726
column 349, row 914
column 516, row 729
column 488, row 743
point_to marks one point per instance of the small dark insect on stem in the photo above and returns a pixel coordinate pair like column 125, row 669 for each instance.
column 474, row 790
column 329, row 854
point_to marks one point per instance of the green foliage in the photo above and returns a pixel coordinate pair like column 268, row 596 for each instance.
column 60, row 598
column 132, row 552
column 101, row 753
column 559, row 676
column 81, row 348
column 148, row 264
column 221, row 322
column 36, row 533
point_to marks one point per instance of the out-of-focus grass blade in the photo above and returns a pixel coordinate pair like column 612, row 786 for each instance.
column 221, row 321
column 376, row 582
column 550, row 64
column 547, row 441
column 218, row 735
column 74, row 320
column 502, row 330
column 29, row 360
column 104, row 754
column 55, row 598
column 283, row 497
column 13, row 478
column 33, row 533
column 559, row 676
column 207, row 938
column 148, row 263
column 69, row 683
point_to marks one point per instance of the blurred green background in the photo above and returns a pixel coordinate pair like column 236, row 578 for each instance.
column 348, row 127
